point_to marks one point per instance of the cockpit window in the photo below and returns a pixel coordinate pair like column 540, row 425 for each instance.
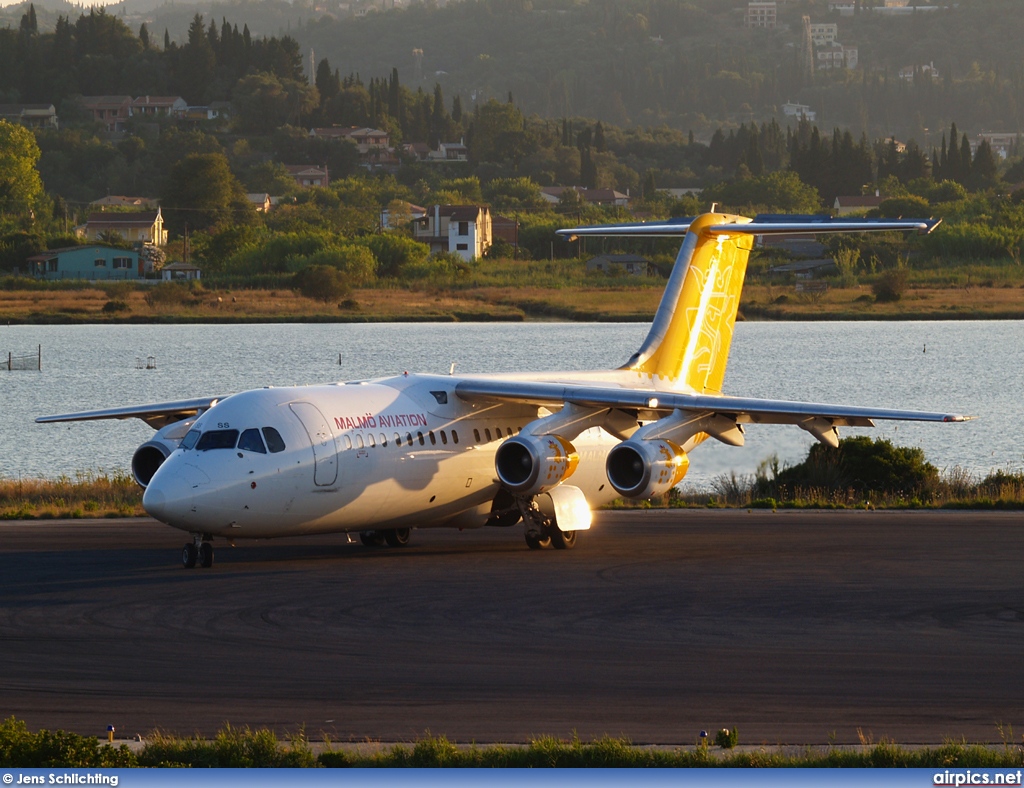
column 274, row 440
column 190, row 439
column 217, row 439
column 251, row 441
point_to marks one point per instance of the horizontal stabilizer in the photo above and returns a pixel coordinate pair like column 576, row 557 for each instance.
column 764, row 224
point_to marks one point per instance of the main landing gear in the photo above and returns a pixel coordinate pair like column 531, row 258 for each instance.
column 198, row 551
column 541, row 530
column 393, row 537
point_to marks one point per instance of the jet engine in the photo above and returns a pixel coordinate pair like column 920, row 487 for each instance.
column 531, row 464
column 643, row 468
column 151, row 454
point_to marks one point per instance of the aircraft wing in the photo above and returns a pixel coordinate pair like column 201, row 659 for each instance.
column 763, row 224
column 748, row 410
column 156, row 416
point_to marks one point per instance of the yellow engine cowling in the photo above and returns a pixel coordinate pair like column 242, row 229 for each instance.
column 642, row 469
column 531, row 464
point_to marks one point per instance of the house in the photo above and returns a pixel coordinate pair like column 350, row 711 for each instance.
column 553, row 194
column 835, row 56
column 143, row 227
column 451, row 151
column 910, row 73
column 118, row 201
column 845, row 206
column 824, row 33
column 178, row 271
column 152, row 106
column 1001, row 143
column 844, row 7
column 463, row 229
column 112, row 112
column 630, row 264
column 261, row 202
column 86, row 262
column 801, row 111
column 505, row 229
column 35, row 116
column 373, row 145
column 307, row 175
column 806, row 269
column 761, row 14
column 418, row 150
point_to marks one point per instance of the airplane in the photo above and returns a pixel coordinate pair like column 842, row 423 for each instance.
column 385, row 456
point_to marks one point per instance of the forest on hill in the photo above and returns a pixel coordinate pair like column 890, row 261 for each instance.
column 689, row 64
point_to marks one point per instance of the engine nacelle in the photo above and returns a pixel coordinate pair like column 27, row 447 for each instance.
column 641, row 469
column 151, row 454
column 531, row 464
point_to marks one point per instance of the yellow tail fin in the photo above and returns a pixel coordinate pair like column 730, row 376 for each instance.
column 688, row 345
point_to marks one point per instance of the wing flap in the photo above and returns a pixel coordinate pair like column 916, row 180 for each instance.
column 743, row 409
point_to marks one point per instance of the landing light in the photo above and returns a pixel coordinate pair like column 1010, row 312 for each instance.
column 652, row 402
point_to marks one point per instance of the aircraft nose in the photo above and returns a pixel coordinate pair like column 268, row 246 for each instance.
column 168, row 497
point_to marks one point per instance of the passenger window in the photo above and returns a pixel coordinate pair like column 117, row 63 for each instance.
column 251, row 441
column 274, row 440
column 370, row 440
column 217, row 439
column 455, row 437
column 487, row 432
column 497, row 431
column 444, row 438
column 348, row 442
column 359, row 441
column 398, row 439
column 383, row 439
column 190, row 439
column 419, row 437
column 476, row 435
column 433, row 439
column 408, row 439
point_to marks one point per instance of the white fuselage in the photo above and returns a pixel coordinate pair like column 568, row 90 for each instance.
column 401, row 452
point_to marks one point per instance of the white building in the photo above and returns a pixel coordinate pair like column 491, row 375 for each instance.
column 824, row 33
column 761, row 13
column 463, row 229
column 791, row 110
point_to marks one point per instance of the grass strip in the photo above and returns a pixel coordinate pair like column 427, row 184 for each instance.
column 245, row 747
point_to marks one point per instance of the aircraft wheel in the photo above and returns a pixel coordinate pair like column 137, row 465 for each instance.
column 189, row 554
column 371, row 538
column 397, row 537
column 563, row 540
column 206, row 555
column 537, row 542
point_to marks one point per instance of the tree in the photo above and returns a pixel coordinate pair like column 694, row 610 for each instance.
column 20, row 185
column 263, row 102
column 202, row 192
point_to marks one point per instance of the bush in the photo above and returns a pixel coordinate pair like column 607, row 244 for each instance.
column 891, row 285
column 864, row 465
column 168, row 294
column 727, row 739
column 321, row 282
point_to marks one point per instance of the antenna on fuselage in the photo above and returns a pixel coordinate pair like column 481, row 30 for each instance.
column 451, row 369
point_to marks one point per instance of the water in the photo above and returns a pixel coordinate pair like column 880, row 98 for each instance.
column 969, row 367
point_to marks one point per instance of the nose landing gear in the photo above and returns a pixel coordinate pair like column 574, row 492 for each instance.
column 199, row 550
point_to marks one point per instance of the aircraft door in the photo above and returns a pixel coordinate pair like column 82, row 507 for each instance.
column 325, row 450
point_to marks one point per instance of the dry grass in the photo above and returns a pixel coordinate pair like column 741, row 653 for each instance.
column 438, row 302
column 857, row 302
column 87, row 495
